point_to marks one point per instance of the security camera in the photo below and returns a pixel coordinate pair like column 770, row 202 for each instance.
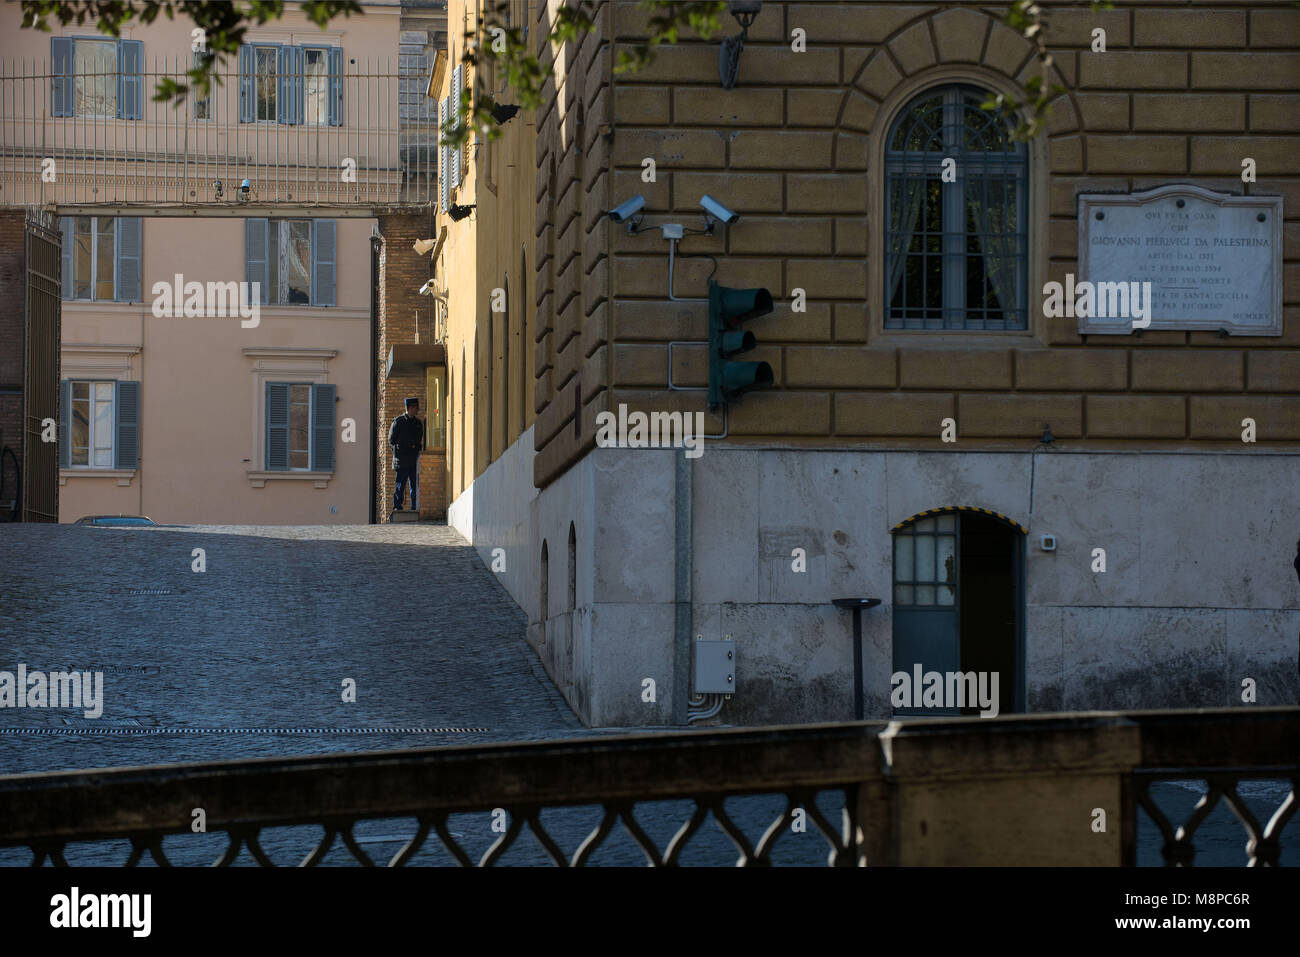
column 715, row 210
column 427, row 289
column 625, row 211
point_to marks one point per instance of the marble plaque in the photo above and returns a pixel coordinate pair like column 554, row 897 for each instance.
column 1213, row 261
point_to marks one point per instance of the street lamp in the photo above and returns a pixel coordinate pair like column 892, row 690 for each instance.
column 857, row 604
column 729, row 52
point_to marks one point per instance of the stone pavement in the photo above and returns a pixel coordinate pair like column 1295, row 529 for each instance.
column 264, row 638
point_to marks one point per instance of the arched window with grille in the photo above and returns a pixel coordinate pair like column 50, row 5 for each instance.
column 955, row 252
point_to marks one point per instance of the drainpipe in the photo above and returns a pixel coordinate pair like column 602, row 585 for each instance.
column 375, row 242
column 682, row 589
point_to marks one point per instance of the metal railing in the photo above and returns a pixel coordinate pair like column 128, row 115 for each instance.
column 1013, row 790
column 275, row 130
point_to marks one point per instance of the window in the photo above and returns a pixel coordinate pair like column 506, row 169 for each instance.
column 925, row 562
column 99, row 424
column 101, row 258
column 436, row 417
column 281, row 83
column 955, row 251
column 96, row 77
column 299, row 427
column 293, row 260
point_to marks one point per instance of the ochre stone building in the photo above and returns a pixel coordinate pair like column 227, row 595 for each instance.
column 932, row 438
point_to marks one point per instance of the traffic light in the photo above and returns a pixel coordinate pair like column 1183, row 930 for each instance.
column 728, row 308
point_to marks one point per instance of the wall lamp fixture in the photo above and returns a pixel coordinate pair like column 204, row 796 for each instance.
column 745, row 11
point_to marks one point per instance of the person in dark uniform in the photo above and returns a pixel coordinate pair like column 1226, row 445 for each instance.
column 407, row 440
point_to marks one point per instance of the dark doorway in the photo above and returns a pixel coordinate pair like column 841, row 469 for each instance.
column 990, row 587
column 958, row 600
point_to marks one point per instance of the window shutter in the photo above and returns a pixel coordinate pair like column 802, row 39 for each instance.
column 65, row 424
column 444, row 161
column 66, row 227
column 457, row 78
column 247, row 85
column 277, row 426
column 288, row 94
column 62, row 85
column 130, row 101
column 323, row 259
column 126, row 409
column 322, row 427
column 255, row 253
column 126, row 281
column 336, row 86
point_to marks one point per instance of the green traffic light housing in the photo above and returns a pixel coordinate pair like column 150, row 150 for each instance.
column 728, row 308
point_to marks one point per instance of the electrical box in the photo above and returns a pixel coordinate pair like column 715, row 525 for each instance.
column 715, row 667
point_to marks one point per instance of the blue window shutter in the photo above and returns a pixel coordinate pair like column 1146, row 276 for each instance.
column 336, row 86
column 322, row 428
column 126, row 409
column 65, row 424
column 288, row 90
column 255, row 253
column 444, row 161
column 277, row 426
column 66, row 227
column 126, row 283
column 130, row 98
column 62, row 85
column 247, row 85
column 456, row 84
column 324, row 256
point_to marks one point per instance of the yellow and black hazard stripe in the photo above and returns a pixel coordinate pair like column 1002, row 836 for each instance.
column 959, row 508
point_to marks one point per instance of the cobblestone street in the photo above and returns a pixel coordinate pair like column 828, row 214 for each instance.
column 264, row 639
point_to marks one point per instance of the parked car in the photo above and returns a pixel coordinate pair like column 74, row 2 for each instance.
column 115, row 521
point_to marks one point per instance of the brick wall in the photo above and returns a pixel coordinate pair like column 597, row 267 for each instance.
column 1180, row 96
column 401, row 274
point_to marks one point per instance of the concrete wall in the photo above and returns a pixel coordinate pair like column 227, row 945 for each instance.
column 1169, row 624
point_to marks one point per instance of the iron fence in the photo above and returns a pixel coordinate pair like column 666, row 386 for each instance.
column 334, row 139
column 1014, row 790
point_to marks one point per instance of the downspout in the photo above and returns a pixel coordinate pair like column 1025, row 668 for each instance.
column 682, row 589
column 375, row 242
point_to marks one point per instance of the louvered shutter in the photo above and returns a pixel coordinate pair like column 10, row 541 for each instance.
column 67, row 227
column 324, row 257
column 444, row 161
column 130, row 93
column 126, row 409
column 336, row 86
column 126, row 265
column 65, row 424
column 277, row 426
column 457, row 79
column 289, row 61
column 255, row 254
column 247, row 85
column 322, row 427
column 62, row 83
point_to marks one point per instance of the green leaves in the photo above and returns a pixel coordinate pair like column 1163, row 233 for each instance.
column 224, row 25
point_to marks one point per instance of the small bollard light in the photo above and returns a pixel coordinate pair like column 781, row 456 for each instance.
column 856, row 605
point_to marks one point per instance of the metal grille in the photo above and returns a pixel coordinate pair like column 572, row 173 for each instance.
column 173, row 155
column 955, row 251
column 42, row 312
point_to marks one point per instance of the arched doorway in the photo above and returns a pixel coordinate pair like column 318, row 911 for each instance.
column 959, row 605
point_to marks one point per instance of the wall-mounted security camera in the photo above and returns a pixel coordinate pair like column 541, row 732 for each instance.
column 715, row 210
column 427, row 289
column 626, row 210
